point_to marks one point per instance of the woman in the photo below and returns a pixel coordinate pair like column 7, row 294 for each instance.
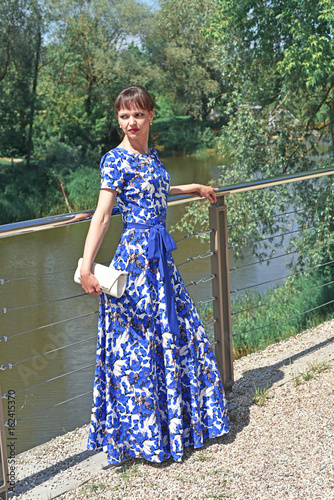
column 157, row 388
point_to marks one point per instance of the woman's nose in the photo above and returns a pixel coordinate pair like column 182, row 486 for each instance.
column 132, row 120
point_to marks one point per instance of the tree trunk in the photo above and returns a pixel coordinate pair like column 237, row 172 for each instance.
column 34, row 91
column 61, row 187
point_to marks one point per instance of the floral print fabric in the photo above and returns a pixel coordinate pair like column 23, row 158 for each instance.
column 155, row 392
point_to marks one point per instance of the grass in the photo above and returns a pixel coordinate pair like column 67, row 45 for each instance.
column 296, row 379
column 179, row 478
column 95, row 488
column 128, row 472
column 307, row 375
column 7, row 162
column 218, row 496
column 261, row 320
column 319, row 367
column 200, row 457
column 309, row 372
column 259, row 395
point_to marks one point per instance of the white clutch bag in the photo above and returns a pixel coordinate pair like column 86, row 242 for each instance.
column 112, row 281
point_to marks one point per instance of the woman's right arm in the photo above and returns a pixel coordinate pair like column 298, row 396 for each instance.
column 97, row 229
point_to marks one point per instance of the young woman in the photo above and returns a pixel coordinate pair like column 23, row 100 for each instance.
column 157, row 388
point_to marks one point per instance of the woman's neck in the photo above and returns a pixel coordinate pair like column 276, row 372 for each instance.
column 134, row 147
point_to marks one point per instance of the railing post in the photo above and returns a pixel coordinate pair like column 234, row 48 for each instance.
column 3, row 457
column 221, row 291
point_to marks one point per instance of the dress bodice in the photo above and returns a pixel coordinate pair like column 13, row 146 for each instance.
column 141, row 182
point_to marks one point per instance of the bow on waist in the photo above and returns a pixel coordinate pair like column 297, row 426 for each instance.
column 159, row 243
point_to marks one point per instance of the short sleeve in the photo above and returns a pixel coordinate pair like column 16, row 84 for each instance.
column 111, row 172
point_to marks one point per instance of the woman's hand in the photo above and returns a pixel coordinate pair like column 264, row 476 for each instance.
column 90, row 284
column 196, row 189
column 205, row 192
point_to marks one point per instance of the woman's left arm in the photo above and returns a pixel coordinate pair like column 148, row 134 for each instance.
column 195, row 189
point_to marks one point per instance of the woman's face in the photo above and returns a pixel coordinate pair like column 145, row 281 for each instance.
column 135, row 122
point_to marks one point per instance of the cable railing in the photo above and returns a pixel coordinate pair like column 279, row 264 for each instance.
column 221, row 318
column 5, row 338
column 11, row 365
column 283, row 319
column 264, row 304
column 232, row 247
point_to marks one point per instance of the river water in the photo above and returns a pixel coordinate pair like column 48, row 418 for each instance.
column 56, row 251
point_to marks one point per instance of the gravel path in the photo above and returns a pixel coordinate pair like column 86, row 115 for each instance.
column 282, row 449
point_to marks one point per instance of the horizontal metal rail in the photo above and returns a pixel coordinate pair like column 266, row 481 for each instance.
column 17, row 228
column 50, row 407
column 295, row 212
column 66, row 219
column 5, row 396
column 47, row 302
column 71, row 270
column 252, row 221
column 200, row 256
column 319, row 244
column 10, row 365
column 6, row 338
column 198, row 233
column 237, row 268
column 300, row 229
column 205, row 301
column 202, row 280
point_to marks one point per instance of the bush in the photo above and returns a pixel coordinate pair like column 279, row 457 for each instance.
column 182, row 134
column 82, row 187
column 34, row 193
column 28, row 194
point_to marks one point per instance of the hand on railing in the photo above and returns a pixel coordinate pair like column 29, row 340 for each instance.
column 205, row 192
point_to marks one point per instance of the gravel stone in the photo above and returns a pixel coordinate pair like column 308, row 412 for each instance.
column 281, row 450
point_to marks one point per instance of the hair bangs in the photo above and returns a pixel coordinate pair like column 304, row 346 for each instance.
column 132, row 97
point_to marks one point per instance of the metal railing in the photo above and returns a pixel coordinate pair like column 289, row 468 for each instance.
column 221, row 269
column 4, row 476
column 219, row 277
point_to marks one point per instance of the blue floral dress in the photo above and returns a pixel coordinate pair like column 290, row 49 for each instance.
column 156, row 391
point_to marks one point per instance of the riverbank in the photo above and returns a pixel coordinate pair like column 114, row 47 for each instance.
column 281, row 449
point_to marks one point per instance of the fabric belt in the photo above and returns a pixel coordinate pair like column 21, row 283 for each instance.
column 159, row 243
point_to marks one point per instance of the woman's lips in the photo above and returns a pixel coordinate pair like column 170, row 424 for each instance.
column 133, row 130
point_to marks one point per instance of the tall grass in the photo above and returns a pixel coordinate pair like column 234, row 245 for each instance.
column 281, row 312
column 260, row 320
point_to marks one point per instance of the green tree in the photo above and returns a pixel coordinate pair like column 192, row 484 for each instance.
column 187, row 59
column 277, row 57
column 21, row 26
column 79, row 85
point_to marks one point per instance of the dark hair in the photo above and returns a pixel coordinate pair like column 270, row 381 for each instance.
column 134, row 95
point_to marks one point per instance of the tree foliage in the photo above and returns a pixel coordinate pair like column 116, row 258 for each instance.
column 187, row 59
column 277, row 57
column 266, row 66
column 63, row 63
column 21, row 25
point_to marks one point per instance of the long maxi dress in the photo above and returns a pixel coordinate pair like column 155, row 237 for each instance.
column 157, row 388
